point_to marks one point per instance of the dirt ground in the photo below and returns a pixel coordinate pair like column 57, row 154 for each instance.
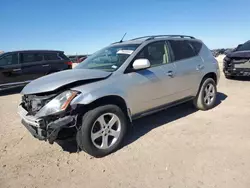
column 176, row 148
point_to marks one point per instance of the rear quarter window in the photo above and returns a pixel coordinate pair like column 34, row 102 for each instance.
column 51, row 56
column 63, row 56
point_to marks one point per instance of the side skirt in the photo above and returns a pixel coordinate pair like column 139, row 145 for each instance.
column 162, row 107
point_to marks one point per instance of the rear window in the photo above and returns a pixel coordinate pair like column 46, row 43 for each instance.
column 51, row 56
column 31, row 57
column 197, row 46
column 181, row 49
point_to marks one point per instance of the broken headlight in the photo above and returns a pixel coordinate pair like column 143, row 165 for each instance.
column 58, row 104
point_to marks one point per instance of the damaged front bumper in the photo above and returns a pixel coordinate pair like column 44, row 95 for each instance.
column 43, row 130
column 236, row 67
column 237, row 71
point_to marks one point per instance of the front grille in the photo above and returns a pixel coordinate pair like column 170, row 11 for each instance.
column 33, row 103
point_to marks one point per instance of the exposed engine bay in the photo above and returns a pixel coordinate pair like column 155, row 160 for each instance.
column 33, row 103
column 51, row 127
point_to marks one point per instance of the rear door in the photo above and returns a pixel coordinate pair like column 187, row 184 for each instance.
column 33, row 65
column 57, row 61
column 10, row 70
column 188, row 67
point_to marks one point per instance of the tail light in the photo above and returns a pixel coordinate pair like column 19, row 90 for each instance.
column 69, row 63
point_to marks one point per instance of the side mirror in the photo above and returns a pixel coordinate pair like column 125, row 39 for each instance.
column 141, row 64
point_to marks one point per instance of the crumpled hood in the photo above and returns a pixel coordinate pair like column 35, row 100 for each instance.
column 239, row 54
column 57, row 80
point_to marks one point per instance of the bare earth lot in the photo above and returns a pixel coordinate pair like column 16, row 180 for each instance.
column 177, row 148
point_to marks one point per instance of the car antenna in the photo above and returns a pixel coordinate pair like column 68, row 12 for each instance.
column 123, row 37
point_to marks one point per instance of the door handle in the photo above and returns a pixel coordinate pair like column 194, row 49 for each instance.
column 15, row 70
column 199, row 67
column 170, row 73
column 46, row 65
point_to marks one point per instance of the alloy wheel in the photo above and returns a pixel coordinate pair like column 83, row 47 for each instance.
column 209, row 94
column 106, row 130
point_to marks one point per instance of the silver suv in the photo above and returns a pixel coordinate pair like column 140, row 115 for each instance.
column 98, row 100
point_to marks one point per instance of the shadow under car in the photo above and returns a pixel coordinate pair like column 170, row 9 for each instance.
column 144, row 125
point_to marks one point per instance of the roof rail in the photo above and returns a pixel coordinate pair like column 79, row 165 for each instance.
column 160, row 36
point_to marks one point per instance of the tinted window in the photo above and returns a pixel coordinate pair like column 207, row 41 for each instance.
column 31, row 57
column 157, row 53
column 196, row 46
column 9, row 60
column 181, row 50
column 51, row 56
column 63, row 56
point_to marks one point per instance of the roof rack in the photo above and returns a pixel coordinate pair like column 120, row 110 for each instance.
column 160, row 36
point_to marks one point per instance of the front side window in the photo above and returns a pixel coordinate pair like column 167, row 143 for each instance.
column 11, row 59
column 157, row 53
column 108, row 59
column 31, row 57
column 181, row 49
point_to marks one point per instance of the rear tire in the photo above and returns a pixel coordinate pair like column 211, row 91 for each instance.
column 99, row 136
column 206, row 97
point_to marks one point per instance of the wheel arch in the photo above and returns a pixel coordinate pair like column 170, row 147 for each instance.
column 109, row 99
column 208, row 75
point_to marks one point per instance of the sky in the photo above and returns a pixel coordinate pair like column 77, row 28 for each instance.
column 85, row 26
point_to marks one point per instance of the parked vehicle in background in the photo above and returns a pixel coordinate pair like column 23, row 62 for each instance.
column 20, row 67
column 222, row 51
column 97, row 100
column 237, row 63
column 77, row 58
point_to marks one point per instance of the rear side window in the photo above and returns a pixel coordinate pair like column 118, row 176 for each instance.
column 181, row 50
column 196, row 46
column 11, row 59
column 31, row 57
column 51, row 56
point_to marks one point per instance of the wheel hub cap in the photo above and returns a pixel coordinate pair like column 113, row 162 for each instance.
column 106, row 131
column 209, row 94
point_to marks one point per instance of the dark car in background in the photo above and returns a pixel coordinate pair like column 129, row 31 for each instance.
column 237, row 63
column 20, row 67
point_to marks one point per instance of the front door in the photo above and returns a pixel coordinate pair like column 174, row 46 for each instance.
column 153, row 87
column 10, row 70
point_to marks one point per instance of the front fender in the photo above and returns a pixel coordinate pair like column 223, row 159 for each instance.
column 88, row 98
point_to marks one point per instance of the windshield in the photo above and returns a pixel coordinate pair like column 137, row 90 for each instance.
column 244, row 47
column 108, row 59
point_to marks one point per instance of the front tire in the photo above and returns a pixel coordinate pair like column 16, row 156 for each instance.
column 103, row 130
column 206, row 97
